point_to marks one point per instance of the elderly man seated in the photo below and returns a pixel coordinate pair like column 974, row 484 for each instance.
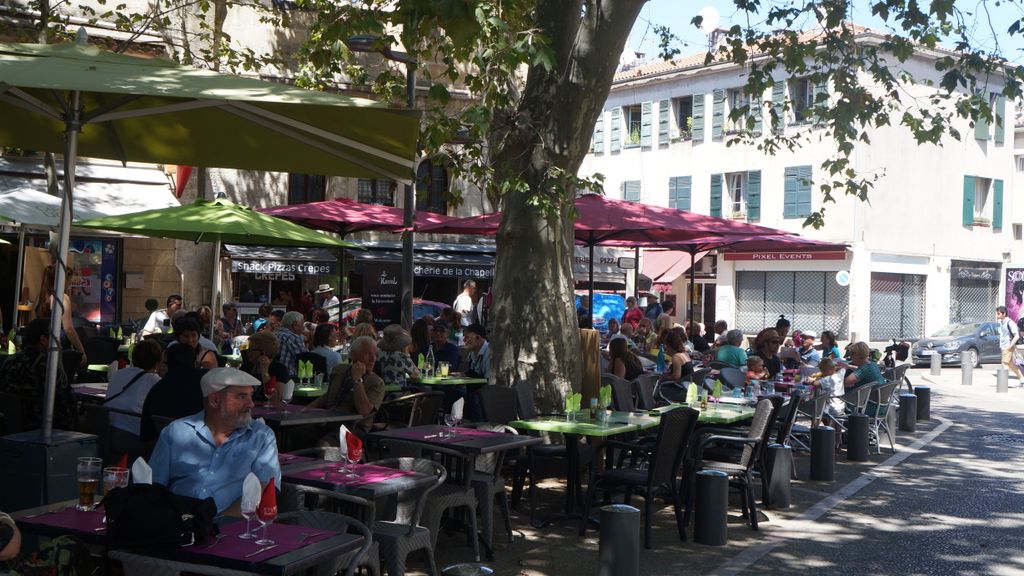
column 354, row 387
column 209, row 453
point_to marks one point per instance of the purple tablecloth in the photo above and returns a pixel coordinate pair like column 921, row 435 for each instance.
column 91, row 391
column 284, row 459
column 259, row 411
column 71, row 519
column 461, row 435
column 286, row 536
column 365, row 474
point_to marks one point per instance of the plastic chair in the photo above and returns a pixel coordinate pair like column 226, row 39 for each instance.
column 644, row 387
column 405, row 533
column 732, row 377
column 489, row 483
column 622, row 392
column 499, row 403
column 660, row 478
column 365, row 556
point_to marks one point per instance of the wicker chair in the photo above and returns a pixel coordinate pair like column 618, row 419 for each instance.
column 398, row 537
column 644, row 387
column 660, row 478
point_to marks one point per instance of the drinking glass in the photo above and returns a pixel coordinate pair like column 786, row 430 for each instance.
column 452, row 422
column 319, row 381
column 248, row 514
column 114, row 477
column 444, row 368
column 352, row 458
column 287, row 391
column 265, row 515
column 88, row 473
column 269, row 388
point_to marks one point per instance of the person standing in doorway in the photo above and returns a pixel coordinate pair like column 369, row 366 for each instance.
column 1008, row 336
column 465, row 303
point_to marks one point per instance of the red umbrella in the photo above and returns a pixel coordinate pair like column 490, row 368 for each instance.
column 343, row 216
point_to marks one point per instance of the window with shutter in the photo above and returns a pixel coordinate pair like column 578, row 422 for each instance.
column 997, row 205
column 679, row 192
column 779, row 107
column 967, row 213
column 633, row 116
column 801, row 100
column 718, row 116
column 645, row 125
column 1000, row 115
column 796, row 197
column 616, row 130
column 716, row 195
column 697, row 126
column 736, row 113
column 754, row 196
column 597, row 144
column 631, row 190
column 981, row 125
column 303, row 188
column 664, row 123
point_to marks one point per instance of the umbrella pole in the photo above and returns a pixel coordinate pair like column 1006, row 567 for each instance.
column 215, row 288
column 693, row 283
column 17, row 275
column 590, row 304
column 73, row 125
column 636, row 273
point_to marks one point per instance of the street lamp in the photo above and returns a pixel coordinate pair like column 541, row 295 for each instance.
column 370, row 43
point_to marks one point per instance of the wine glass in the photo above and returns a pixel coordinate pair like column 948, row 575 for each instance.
column 352, row 458
column 452, row 421
column 265, row 515
column 248, row 514
column 269, row 387
column 287, row 391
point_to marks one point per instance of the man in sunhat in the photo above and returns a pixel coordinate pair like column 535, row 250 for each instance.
column 208, row 454
column 329, row 301
column 809, row 355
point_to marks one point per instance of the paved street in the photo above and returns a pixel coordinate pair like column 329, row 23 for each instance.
column 950, row 501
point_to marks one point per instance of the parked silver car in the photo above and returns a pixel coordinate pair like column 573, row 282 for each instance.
column 973, row 342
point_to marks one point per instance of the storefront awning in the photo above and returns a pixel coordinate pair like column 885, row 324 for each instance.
column 272, row 260
column 434, row 260
column 663, row 267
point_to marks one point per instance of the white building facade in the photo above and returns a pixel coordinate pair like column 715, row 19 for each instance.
column 930, row 247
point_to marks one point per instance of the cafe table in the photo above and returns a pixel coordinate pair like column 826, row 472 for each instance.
column 283, row 417
column 93, row 391
column 298, row 549
column 467, row 444
column 448, row 381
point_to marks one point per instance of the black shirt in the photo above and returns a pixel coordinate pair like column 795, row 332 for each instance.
column 176, row 395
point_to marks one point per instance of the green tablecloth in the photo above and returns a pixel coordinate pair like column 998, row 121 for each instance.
column 309, row 392
column 618, row 423
column 718, row 414
column 453, row 381
column 98, row 367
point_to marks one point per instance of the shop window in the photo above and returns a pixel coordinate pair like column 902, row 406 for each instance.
column 303, row 188
column 377, row 191
column 432, row 187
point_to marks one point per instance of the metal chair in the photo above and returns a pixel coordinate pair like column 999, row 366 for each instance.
column 661, row 477
column 417, row 409
column 732, row 377
column 877, row 408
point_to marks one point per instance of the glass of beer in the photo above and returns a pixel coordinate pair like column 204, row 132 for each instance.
column 114, row 477
column 88, row 472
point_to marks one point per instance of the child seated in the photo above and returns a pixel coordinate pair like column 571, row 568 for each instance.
column 756, row 369
column 830, row 382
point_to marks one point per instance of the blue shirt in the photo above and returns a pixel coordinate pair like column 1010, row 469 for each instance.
column 187, row 461
column 479, row 361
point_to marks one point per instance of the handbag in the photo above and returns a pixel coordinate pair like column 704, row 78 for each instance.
column 151, row 516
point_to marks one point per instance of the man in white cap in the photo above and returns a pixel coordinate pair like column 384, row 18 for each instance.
column 809, row 355
column 329, row 301
column 209, row 453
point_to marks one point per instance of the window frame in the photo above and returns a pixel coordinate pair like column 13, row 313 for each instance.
column 682, row 124
column 313, row 188
column 734, row 100
column 736, row 207
column 801, row 97
column 632, row 116
column 375, row 195
column 983, row 197
column 429, row 196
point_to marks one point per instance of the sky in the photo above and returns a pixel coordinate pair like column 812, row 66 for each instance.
column 677, row 14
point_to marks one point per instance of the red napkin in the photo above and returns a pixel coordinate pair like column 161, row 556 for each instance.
column 270, row 386
column 267, row 510
column 123, row 462
column 355, row 446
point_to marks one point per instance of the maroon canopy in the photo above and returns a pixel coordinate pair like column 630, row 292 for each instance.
column 606, row 221
column 343, row 216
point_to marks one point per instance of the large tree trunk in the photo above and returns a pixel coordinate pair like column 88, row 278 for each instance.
column 535, row 334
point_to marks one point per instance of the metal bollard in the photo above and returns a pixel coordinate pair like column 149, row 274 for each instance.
column 966, row 373
column 780, row 470
column 908, row 413
column 936, row 364
column 619, row 546
column 711, row 508
column 823, row 454
column 924, row 402
column 857, row 438
column 1002, row 380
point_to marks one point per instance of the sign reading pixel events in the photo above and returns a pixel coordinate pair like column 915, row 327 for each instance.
column 780, row 256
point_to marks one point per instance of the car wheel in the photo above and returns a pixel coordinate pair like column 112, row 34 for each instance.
column 970, row 356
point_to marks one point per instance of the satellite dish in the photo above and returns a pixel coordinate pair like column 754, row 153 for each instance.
column 710, row 19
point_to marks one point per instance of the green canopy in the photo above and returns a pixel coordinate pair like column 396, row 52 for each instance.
column 154, row 110
column 212, row 221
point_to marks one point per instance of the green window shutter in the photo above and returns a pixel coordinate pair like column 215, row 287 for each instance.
column 679, row 192
column 698, row 119
column 968, row 214
column 981, row 126
column 716, row 195
column 997, row 205
column 803, row 191
column 820, row 99
column 754, row 196
column 718, row 116
column 664, row 114
column 1000, row 113
column 779, row 105
column 789, row 193
column 631, row 190
column 597, row 145
column 616, row 144
column 757, row 111
column 645, row 125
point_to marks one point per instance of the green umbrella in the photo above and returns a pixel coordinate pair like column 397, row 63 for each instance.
column 219, row 221
column 79, row 99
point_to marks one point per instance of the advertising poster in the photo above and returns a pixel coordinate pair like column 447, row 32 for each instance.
column 382, row 293
column 1014, row 293
column 92, row 283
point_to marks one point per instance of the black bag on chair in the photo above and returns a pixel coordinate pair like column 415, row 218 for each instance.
column 151, row 516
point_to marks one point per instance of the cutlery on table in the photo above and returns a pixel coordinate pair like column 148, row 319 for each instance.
column 260, row 551
column 216, row 539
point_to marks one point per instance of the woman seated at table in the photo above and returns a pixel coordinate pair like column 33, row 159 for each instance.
column 680, row 366
column 623, row 363
column 865, row 370
column 325, row 340
column 730, row 352
column 129, row 386
column 260, row 362
column 828, row 346
column 766, row 345
column 394, row 360
column 186, row 333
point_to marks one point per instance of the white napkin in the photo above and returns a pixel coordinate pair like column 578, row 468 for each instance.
column 342, row 444
column 252, row 490
column 288, row 390
column 457, row 408
column 141, row 472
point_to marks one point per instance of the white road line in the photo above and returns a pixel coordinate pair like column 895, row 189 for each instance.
column 751, row 555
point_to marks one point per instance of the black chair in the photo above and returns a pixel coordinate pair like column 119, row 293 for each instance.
column 12, row 410
column 69, row 362
column 732, row 377
column 319, row 362
column 101, row 349
column 671, row 392
column 113, row 441
column 719, row 365
column 644, row 387
column 417, row 409
column 499, row 403
column 661, row 477
column 622, row 392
